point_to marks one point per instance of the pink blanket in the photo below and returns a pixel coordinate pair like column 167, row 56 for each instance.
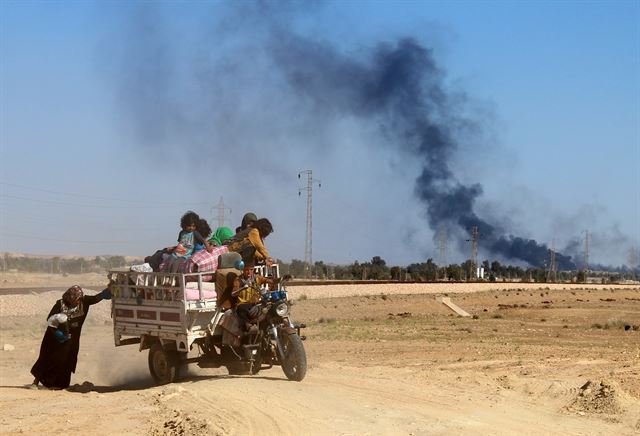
column 194, row 294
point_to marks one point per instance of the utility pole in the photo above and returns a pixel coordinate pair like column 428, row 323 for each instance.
column 474, row 249
column 308, row 252
column 632, row 258
column 587, row 236
column 220, row 211
column 553, row 268
column 442, row 233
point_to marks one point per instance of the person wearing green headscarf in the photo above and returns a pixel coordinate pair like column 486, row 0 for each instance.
column 221, row 235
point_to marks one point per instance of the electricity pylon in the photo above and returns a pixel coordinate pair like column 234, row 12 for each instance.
column 308, row 251
column 221, row 209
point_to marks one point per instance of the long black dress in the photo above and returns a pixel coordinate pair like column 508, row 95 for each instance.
column 58, row 360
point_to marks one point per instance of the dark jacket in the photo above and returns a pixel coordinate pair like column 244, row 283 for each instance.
column 58, row 360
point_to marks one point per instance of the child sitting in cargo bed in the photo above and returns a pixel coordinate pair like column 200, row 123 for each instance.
column 203, row 228
column 187, row 239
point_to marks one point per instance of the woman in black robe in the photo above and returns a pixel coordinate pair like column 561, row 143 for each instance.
column 61, row 341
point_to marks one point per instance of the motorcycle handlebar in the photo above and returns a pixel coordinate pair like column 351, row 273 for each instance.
column 283, row 282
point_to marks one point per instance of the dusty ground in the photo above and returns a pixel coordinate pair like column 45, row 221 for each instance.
column 39, row 280
column 383, row 360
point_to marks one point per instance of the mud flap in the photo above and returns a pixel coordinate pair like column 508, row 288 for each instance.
column 231, row 331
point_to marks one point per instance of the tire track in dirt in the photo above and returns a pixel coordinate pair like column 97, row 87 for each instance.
column 222, row 405
column 491, row 410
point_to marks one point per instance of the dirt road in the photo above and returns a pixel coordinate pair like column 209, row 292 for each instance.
column 556, row 361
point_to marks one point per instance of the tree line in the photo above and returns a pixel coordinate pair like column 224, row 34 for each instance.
column 376, row 269
column 429, row 271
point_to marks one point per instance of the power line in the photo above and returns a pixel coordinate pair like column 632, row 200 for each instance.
column 66, row 193
column 100, row 206
column 21, row 236
column 86, row 220
column 94, row 197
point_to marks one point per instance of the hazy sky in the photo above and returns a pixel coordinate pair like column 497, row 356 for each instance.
column 117, row 117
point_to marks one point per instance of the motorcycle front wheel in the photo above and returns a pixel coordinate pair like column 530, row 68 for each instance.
column 294, row 360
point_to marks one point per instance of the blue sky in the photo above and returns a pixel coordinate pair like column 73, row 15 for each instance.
column 117, row 117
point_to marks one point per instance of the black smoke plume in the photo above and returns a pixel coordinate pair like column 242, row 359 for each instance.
column 401, row 88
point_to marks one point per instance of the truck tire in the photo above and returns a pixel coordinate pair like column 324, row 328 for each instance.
column 294, row 361
column 163, row 364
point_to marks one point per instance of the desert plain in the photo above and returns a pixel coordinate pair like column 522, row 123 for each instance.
column 383, row 359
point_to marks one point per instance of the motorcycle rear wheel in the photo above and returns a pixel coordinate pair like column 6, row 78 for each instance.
column 163, row 364
column 294, row 361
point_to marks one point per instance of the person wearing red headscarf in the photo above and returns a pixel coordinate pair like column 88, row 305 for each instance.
column 61, row 342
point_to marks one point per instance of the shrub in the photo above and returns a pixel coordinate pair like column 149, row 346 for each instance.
column 324, row 320
column 615, row 323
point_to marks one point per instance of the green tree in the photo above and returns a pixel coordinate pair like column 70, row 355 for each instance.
column 395, row 272
column 320, row 270
column 539, row 275
column 485, row 265
column 454, row 272
column 377, row 269
column 496, row 267
column 469, row 268
column 297, row 268
column 342, row 272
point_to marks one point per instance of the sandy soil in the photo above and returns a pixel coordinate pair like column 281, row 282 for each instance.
column 41, row 280
column 383, row 360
